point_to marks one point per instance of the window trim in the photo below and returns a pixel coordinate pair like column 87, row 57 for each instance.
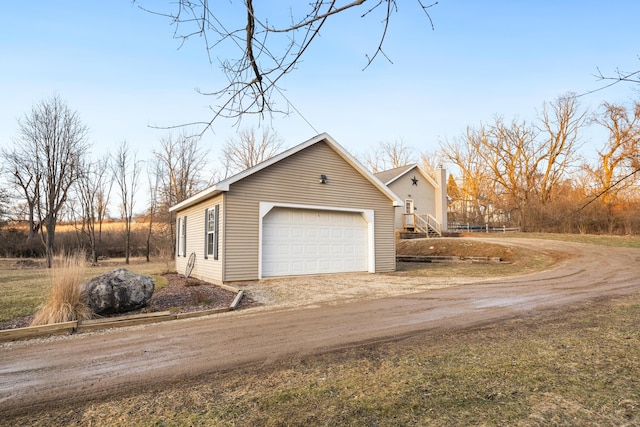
column 212, row 230
column 183, row 236
column 178, row 235
column 206, row 233
column 409, row 206
column 216, row 233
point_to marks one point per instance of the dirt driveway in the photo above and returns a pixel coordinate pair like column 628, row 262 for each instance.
column 301, row 316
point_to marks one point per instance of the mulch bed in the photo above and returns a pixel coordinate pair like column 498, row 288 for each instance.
column 179, row 295
column 184, row 295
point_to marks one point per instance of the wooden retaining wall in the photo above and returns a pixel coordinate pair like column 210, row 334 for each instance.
column 109, row 322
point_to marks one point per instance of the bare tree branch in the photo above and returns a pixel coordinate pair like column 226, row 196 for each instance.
column 267, row 51
column 609, row 188
column 618, row 158
column 180, row 162
column 46, row 162
column 619, row 77
column 126, row 172
column 247, row 150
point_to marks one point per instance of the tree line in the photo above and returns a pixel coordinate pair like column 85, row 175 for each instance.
column 530, row 175
column 52, row 180
column 534, row 174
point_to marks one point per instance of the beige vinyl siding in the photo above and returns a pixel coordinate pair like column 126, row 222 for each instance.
column 294, row 180
column 423, row 195
column 205, row 269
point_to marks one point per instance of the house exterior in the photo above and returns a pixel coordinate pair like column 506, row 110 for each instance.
column 424, row 197
column 312, row 209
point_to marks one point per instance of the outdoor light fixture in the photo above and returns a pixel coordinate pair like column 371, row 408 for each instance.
column 323, row 179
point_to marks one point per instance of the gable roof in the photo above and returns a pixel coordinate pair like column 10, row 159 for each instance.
column 391, row 175
column 224, row 185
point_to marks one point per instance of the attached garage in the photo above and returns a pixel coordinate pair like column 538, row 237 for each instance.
column 313, row 241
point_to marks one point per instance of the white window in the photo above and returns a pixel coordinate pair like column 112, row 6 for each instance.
column 179, row 237
column 408, row 206
column 182, row 239
column 211, row 231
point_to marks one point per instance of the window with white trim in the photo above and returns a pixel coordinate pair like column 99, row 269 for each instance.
column 408, row 206
column 182, row 231
column 179, row 236
column 212, row 217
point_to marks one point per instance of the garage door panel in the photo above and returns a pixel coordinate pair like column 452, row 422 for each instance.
column 324, row 265
column 305, row 241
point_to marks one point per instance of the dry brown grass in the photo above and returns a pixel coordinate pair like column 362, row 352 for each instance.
column 25, row 283
column 573, row 366
column 576, row 365
column 64, row 302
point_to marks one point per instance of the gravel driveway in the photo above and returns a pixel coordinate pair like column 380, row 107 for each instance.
column 304, row 316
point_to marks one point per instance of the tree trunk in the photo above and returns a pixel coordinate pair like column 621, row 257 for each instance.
column 127, row 239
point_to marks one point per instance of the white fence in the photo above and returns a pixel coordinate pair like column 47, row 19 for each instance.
column 483, row 228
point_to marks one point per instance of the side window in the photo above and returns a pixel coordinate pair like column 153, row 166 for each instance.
column 184, row 236
column 179, row 237
column 212, row 231
column 206, row 233
column 216, row 231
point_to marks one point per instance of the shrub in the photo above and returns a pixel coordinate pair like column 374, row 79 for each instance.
column 65, row 300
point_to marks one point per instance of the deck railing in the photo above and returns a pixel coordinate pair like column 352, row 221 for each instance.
column 423, row 223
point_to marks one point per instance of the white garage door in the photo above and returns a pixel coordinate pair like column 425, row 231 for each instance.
column 306, row 241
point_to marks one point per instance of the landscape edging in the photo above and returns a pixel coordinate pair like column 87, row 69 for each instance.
column 72, row 327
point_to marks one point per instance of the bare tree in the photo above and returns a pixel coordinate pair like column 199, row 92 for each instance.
column 126, row 172
column 389, row 155
column 26, row 181
column 271, row 41
column 475, row 187
column 511, row 170
column 94, row 191
column 431, row 160
column 45, row 162
column 4, row 205
column 560, row 123
column 527, row 162
column 618, row 160
column 248, row 149
column 511, row 153
column 153, row 175
column 180, row 163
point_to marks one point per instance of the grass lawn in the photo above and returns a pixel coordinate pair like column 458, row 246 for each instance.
column 574, row 366
column 24, row 286
column 577, row 366
column 592, row 239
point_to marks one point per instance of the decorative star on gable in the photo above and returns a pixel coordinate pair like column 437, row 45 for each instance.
column 414, row 180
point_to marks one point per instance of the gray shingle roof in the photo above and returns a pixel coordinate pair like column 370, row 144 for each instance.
column 388, row 175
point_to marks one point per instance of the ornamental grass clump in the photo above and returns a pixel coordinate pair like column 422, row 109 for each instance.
column 65, row 301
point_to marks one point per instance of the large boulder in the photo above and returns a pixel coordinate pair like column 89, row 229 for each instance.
column 118, row 291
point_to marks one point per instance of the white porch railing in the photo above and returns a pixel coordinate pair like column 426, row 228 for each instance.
column 423, row 223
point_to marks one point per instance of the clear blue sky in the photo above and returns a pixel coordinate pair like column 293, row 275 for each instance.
column 120, row 68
